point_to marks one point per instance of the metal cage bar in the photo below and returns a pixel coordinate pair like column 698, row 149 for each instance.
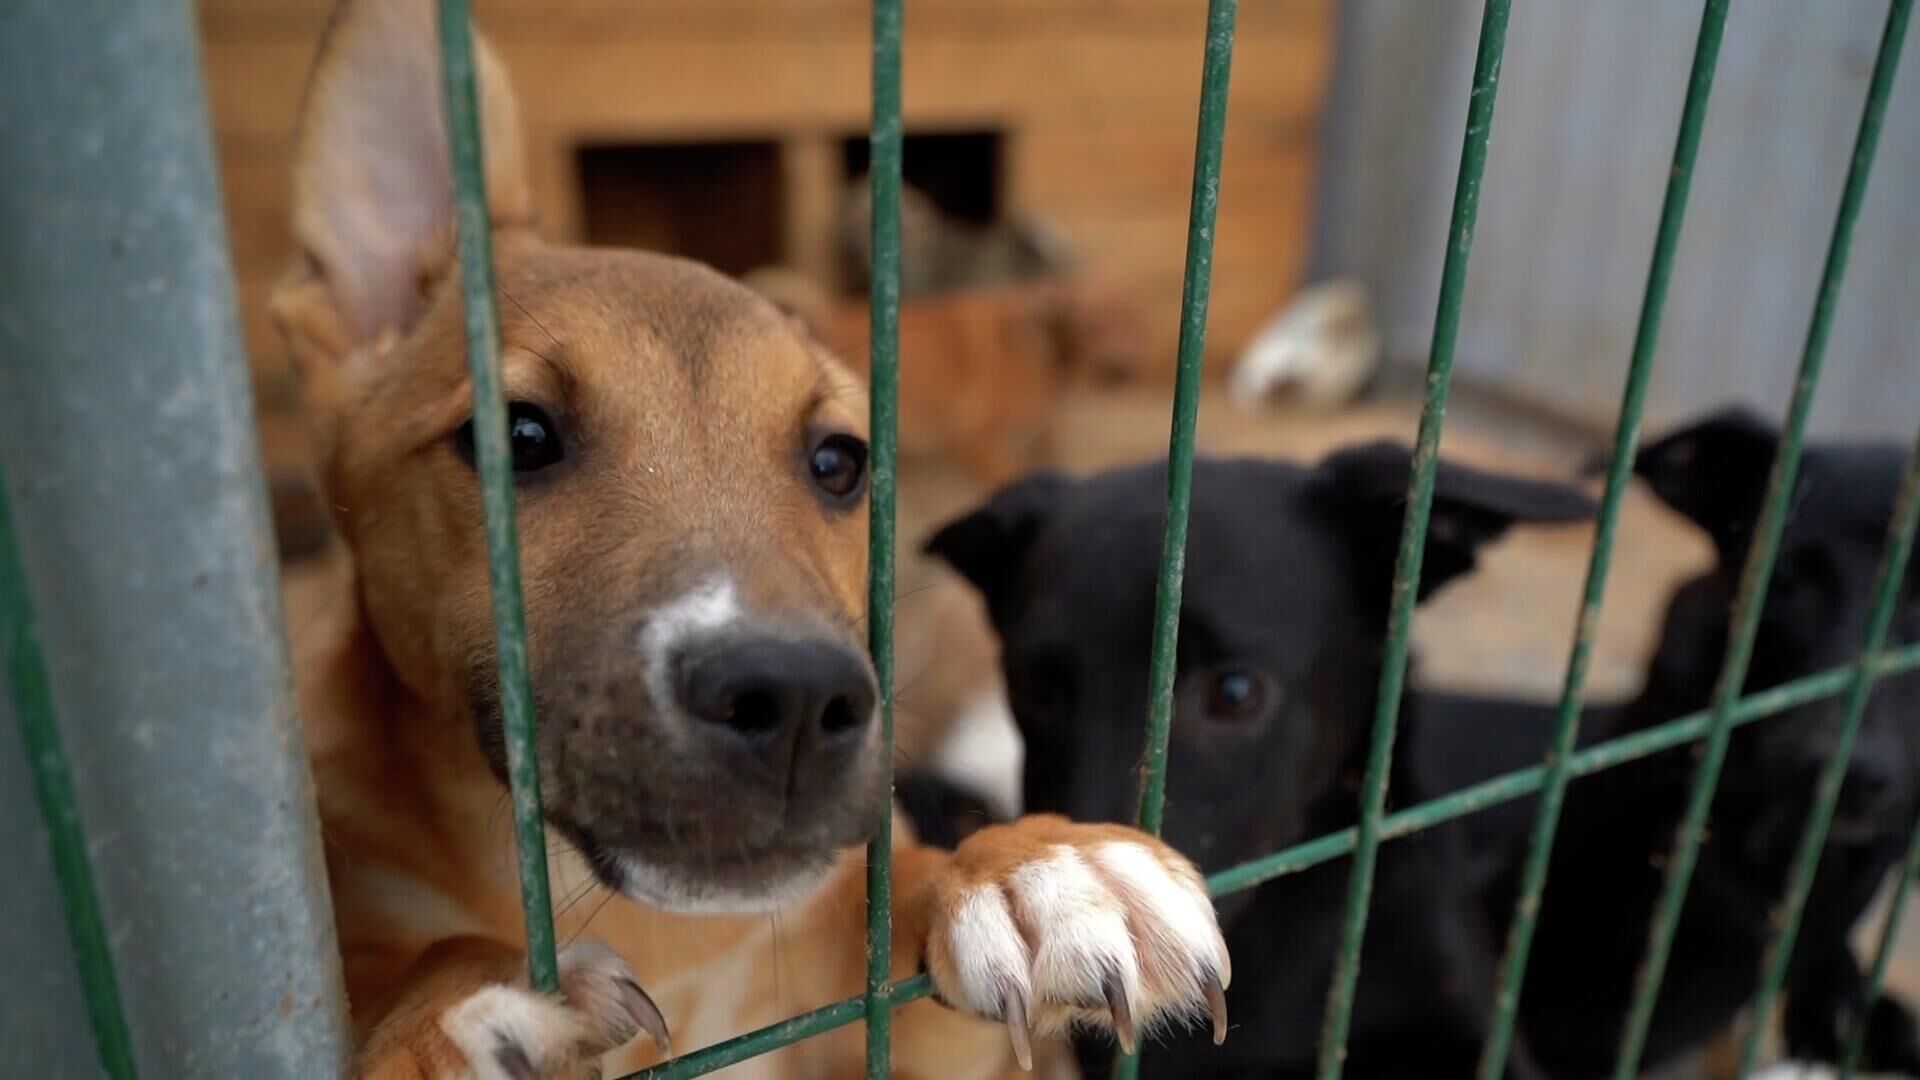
column 1882, row 955
column 1626, row 436
column 1751, row 599
column 1413, row 533
column 138, row 515
column 26, row 676
column 1813, row 838
column 1893, row 565
column 1323, row 849
column 883, row 175
column 1196, row 287
column 1729, row 708
column 494, row 457
column 1523, row 782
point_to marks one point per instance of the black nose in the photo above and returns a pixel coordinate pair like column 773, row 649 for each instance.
column 1869, row 780
column 774, row 689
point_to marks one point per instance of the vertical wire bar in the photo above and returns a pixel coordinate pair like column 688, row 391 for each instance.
column 1813, row 837
column 884, row 308
column 1759, row 565
column 1883, row 956
column 1197, row 285
column 1406, row 574
column 1891, row 572
column 1195, row 291
column 496, row 483
column 26, row 674
column 1559, row 759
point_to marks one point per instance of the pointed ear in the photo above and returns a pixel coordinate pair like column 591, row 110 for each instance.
column 989, row 545
column 1714, row 471
column 373, row 191
column 1366, row 486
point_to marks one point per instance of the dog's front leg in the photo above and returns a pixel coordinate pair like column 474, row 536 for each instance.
column 1044, row 923
column 466, row 1011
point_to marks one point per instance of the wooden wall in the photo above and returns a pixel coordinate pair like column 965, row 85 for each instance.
column 1097, row 101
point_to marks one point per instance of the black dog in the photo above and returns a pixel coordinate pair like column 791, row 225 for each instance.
column 1281, row 631
column 1618, row 826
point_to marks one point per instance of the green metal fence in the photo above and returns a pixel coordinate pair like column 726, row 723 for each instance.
column 1711, row 728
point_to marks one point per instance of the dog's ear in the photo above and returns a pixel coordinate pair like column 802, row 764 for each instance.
column 1367, row 488
column 989, row 545
column 1714, row 471
column 373, row 193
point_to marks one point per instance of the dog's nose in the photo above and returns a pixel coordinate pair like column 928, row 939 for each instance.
column 1869, row 780
column 770, row 689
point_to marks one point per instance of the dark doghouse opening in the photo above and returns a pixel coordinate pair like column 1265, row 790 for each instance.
column 959, row 171
column 718, row 202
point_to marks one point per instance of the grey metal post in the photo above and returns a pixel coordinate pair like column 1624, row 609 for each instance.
column 130, row 452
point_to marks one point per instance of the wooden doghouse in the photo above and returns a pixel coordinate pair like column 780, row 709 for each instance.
column 650, row 120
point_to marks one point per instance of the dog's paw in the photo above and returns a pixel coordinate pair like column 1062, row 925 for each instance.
column 513, row 1033
column 1045, row 924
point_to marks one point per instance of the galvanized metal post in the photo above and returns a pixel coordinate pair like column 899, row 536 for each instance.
column 137, row 496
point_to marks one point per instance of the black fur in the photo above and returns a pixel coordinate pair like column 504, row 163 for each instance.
column 1287, row 591
column 1617, row 826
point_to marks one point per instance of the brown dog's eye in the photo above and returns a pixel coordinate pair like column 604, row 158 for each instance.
column 838, row 466
column 1236, row 694
column 531, row 433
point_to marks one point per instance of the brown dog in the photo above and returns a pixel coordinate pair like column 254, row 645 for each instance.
column 983, row 370
column 691, row 503
column 939, row 253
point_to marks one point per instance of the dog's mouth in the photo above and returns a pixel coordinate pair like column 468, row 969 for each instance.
column 696, row 880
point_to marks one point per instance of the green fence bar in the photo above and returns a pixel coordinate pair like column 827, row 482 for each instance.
column 1195, row 290
column 1413, row 534
column 774, row 1036
column 137, row 515
column 1883, row 955
column 1759, row 566
column 1196, row 287
column 1626, row 437
column 1886, row 596
column 26, row 675
column 1324, row 849
column 494, row 457
column 1893, row 562
column 883, row 174
column 1522, row 782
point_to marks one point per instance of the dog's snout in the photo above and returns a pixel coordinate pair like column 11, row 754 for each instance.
column 1869, row 779
column 772, row 689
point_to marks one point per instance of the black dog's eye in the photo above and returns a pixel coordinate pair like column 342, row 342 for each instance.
column 531, row 433
column 1235, row 694
column 838, row 466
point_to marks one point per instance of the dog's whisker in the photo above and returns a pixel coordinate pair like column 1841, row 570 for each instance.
column 588, row 921
column 530, row 318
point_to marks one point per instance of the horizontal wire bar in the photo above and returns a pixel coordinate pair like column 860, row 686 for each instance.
column 784, row 1033
column 1505, row 788
column 1673, row 208
column 1523, row 782
column 493, row 457
column 1413, row 533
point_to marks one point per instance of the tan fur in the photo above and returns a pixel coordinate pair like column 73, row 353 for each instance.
column 984, row 369
column 693, row 400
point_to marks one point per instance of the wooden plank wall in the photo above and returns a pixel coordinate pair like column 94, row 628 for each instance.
column 1097, row 98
